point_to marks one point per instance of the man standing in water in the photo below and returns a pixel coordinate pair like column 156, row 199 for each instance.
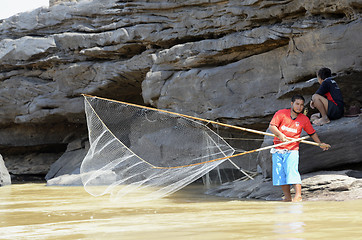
column 288, row 123
column 328, row 99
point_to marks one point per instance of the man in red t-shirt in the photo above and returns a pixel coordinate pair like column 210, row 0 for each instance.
column 287, row 124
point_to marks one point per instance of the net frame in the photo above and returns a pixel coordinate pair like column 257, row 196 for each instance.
column 100, row 177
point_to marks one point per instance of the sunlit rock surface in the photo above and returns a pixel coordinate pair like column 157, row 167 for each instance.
column 4, row 174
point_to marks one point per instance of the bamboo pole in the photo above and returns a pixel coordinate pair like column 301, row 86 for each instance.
column 239, row 154
column 201, row 119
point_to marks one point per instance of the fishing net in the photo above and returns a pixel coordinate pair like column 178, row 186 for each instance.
column 145, row 152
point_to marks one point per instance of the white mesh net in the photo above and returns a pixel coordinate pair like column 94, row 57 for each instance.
column 153, row 153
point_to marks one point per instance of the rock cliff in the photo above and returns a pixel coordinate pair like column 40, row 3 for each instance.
column 233, row 61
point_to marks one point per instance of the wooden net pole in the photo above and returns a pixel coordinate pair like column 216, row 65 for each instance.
column 239, row 154
column 201, row 119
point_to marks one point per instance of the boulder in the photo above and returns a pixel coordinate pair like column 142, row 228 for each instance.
column 4, row 174
column 332, row 185
column 344, row 137
column 66, row 180
column 69, row 163
column 103, row 178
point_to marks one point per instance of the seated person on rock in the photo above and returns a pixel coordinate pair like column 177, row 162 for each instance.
column 328, row 99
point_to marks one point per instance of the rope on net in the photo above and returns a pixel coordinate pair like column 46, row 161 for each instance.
column 134, row 148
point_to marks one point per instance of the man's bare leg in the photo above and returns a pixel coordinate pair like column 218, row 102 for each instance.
column 286, row 191
column 321, row 103
column 298, row 193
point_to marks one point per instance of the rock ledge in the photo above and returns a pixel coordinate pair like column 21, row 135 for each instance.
column 317, row 186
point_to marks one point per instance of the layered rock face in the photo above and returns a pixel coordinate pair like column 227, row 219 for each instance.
column 233, row 61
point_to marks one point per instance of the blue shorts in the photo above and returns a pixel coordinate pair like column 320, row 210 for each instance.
column 285, row 168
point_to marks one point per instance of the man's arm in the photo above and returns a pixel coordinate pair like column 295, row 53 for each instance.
column 278, row 133
column 324, row 146
column 323, row 89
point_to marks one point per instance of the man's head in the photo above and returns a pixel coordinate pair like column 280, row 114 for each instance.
column 297, row 104
column 323, row 73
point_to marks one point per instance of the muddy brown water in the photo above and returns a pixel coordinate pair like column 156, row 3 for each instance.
column 35, row 211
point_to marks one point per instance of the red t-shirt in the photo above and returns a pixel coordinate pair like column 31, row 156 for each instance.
column 291, row 128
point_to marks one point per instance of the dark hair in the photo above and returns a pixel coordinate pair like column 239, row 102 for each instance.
column 297, row 96
column 324, row 73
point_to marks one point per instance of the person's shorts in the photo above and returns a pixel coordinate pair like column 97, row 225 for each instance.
column 333, row 111
column 285, row 168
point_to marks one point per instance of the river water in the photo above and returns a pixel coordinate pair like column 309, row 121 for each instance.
column 35, row 211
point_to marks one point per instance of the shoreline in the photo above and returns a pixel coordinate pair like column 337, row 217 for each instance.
column 316, row 186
